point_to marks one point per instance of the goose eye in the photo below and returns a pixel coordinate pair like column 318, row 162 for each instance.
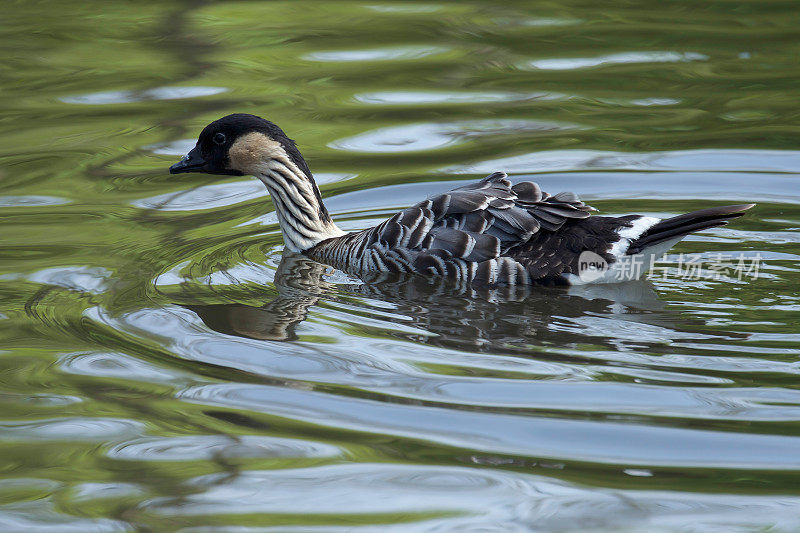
column 219, row 138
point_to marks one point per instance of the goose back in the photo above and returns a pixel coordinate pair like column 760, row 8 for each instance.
column 489, row 232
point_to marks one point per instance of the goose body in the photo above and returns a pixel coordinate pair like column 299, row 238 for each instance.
column 489, row 232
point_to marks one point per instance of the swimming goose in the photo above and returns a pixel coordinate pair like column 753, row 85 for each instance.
column 489, row 232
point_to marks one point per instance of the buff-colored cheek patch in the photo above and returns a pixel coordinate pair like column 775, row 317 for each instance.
column 251, row 150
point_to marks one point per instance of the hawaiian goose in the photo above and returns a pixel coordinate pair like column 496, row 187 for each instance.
column 489, row 232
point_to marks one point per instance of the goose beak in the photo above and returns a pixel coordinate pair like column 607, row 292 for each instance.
column 191, row 162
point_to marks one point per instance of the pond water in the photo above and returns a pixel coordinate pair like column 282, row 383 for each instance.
column 165, row 367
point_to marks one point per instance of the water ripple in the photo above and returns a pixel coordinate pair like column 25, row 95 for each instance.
column 31, row 201
column 553, row 438
column 88, row 492
column 398, row 53
column 132, row 96
column 70, row 429
column 93, row 280
column 205, row 197
column 430, row 136
column 616, row 59
column 116, row 365
column 429, row 97
column 203, row 447
column 677, row 160
column 434, row 498
column 43, row 519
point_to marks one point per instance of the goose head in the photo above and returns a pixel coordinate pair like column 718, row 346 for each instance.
column 242, row 144
column 238, row 145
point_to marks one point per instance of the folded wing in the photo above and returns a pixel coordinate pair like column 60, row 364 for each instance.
column 477, row 222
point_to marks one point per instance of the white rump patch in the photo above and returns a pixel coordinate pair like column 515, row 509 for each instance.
column 626, row 267
column 628, row 235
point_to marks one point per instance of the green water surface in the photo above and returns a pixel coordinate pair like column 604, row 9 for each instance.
column 163, row 367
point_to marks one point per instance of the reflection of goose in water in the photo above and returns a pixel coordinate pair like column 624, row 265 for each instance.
column 488, row 232
column 300, row 285
column 457, row 314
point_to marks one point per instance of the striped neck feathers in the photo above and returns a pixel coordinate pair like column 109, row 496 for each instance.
column 303, row 218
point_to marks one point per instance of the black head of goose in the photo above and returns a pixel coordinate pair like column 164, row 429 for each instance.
column 488, row 232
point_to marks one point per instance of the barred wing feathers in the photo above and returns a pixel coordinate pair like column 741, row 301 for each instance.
column 461, row 231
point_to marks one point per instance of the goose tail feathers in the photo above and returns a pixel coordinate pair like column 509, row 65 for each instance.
column 673, row 229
